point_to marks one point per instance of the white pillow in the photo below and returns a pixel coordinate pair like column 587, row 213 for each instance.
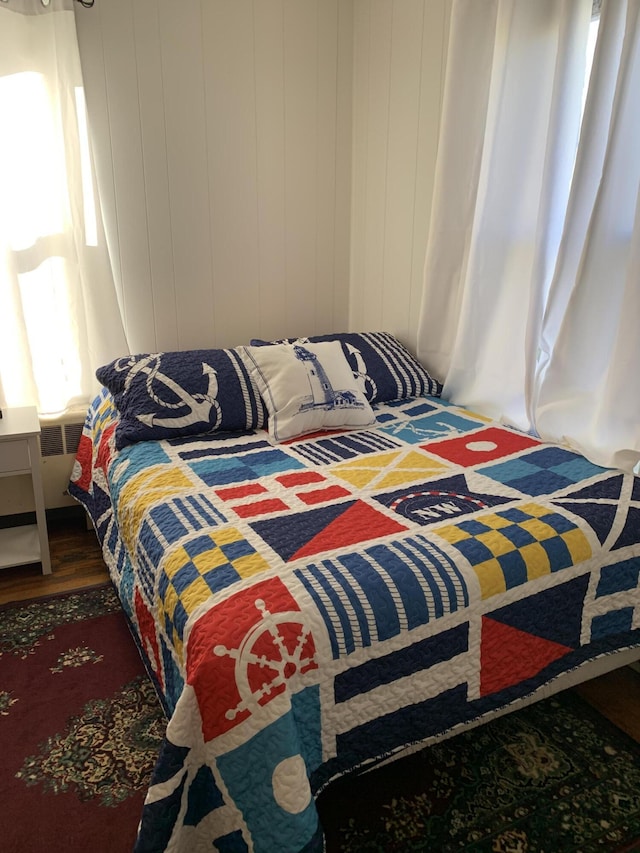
column 307, row 387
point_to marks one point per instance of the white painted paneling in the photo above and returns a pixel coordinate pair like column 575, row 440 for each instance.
column 221, row 131
column 374, row 150
column 402, row 161
column 123, row 107
column 268, row 26
column 344, row 137
column 266, row 166
column 434, row 48
column 182, row 81
column 399, row 51
column 301, row 124
column 146, row 22
column 359, row 172
column 230, row 99
column 327, row 48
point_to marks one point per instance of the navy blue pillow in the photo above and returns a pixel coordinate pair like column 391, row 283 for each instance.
column 385, row 369
column 175, row 394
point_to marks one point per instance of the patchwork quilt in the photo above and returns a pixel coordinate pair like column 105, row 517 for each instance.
column 313, row 607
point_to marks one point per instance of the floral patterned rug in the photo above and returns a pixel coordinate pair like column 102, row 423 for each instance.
column 551, row 778
column 80, row 726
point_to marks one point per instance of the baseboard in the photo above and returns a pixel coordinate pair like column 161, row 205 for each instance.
column 59, row 514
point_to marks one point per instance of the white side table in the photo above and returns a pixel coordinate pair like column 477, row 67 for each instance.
column 20, row 454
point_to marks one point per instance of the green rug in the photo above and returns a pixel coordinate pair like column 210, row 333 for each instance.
column 553, row 777
column 80, row 728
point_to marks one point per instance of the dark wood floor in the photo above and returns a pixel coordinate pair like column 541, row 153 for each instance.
column 77, row 562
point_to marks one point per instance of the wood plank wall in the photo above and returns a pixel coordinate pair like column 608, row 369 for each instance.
column 222, row 135
column 399, row 55
column 266, row 166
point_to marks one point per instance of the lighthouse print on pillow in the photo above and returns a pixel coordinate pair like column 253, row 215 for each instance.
column 307, row 387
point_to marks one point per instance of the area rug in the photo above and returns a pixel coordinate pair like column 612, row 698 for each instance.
column 554, row 777
column 80, row 729
column 80, row 726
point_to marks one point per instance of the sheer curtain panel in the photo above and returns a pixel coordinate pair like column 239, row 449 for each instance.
column 530, row 304
column 588, row 385
column 59, row 314
column 509, row 129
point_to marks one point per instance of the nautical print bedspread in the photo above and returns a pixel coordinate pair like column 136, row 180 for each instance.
column 314, row 606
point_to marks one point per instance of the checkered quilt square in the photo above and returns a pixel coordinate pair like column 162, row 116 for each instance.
column 509, row 547
column 200, row 566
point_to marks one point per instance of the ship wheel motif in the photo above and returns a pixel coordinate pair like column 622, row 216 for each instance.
column 274, row 650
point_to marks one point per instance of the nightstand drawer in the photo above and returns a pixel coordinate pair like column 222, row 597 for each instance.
column 14, row 456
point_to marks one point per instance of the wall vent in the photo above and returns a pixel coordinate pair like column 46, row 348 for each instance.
column 60, row 439
column 51, row 441
column 72, row 435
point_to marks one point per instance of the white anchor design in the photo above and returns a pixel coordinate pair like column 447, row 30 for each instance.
column 360, row 372
column 199, row 405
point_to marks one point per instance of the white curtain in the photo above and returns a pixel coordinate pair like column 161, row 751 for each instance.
column 59, row 313
column 493, row 319
column 588, row 385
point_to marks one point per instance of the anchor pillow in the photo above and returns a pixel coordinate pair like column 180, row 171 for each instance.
column 384, row 369
column 175, row 394
column 307, row 387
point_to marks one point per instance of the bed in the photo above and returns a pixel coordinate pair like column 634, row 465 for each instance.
column 321, row 588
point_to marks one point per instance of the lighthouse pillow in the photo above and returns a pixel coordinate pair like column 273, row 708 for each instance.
column 306, row 388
